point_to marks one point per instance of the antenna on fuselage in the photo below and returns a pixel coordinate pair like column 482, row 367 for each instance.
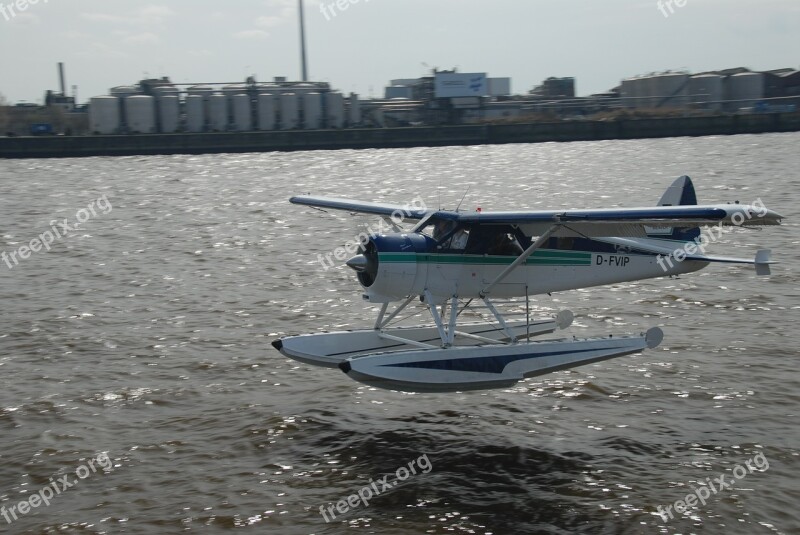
column 464, row 197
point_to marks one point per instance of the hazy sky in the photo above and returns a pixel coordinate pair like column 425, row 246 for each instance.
column 106, row 43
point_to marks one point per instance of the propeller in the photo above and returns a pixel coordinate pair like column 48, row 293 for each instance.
column 365, row 264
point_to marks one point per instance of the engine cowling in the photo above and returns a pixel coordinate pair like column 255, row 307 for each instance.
column 389, row 268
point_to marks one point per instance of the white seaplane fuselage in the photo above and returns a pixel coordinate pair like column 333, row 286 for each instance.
column 446, row 274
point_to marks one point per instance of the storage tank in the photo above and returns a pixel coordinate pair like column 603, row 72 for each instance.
column 628, row 93
column 242, row 113
column 140, row 111
column 195, row 113
column 707, row 89
column 104, row 115
column 354, row 112
column 169, row 113
column 218, row 112
column 648, row 87
column 267, row 118
column 312, row 111
column 334, row 106
column 746, row 86
column 669, row 90
column 290, row 116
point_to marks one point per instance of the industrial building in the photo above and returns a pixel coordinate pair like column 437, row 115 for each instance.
column 445, row 97
column 160, row 106
column 733, row 90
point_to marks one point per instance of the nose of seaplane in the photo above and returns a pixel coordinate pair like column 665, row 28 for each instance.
column 388, row 266
column 366, row 263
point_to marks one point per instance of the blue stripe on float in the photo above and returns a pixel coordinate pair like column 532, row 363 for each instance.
column 485, row 364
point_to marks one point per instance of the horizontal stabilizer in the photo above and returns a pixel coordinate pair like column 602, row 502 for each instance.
column 762, row 260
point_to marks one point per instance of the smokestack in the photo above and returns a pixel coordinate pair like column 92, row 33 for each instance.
column 61, row 79
column 303, row 40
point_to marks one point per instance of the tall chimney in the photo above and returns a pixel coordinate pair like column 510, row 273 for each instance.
column 303, row 40
column 61, row 79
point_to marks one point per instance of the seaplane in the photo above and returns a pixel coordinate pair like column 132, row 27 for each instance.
column 447, row 264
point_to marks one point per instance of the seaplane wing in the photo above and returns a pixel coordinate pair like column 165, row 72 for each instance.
column 604, row 222
column 411, row 212
column 624, row 222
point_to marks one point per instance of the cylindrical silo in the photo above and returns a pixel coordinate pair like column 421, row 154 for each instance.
column 707, row 90
column 140, row 111
column 242, row 113
column 312, row 111
column 169, row 113
column 218, row 112
column 354, row 112
column 104, row 115
column 195, row 113
column 747, row 87
column 628, row 93
column 647, row 90
column 290, row 116
column 334, row 104
column 670, row 90
column 266, row 111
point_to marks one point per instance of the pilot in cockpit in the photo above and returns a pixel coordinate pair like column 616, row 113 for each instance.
column 457, row 241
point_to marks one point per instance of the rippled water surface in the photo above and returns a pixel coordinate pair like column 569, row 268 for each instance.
column 145, row 334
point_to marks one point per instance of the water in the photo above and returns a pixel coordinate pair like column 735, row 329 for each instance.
column 146, row 335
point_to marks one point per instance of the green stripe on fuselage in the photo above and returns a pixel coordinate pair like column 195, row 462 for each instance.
column 544, row 257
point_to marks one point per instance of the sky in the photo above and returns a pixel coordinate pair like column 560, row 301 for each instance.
column 106, row 43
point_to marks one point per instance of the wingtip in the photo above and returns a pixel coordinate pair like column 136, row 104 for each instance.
column 763, row 261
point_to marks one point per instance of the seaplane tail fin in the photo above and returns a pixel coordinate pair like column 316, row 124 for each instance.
column 679, row 193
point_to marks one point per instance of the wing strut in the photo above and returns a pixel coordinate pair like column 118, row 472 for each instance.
column 541, row 240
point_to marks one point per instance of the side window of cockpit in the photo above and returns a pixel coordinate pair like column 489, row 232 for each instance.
column 494, row 242
column 459, row 240
column 449, row 236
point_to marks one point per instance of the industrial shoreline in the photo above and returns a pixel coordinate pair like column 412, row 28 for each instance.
column 433, row 136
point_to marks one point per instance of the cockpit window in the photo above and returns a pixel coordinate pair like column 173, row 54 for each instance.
column 494, row 241
column 449, row 235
